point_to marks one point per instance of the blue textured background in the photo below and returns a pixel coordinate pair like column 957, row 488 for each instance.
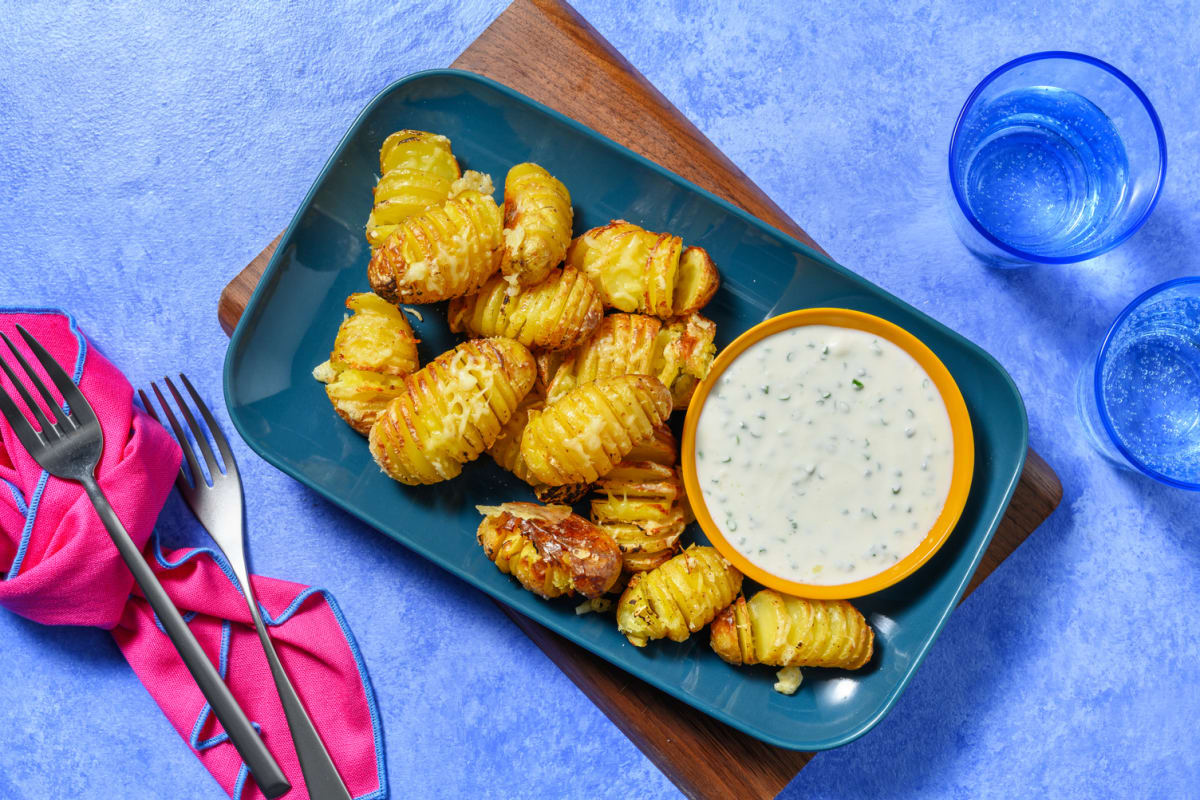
column 148, row 151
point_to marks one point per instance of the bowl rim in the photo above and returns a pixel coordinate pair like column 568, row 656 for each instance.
column 960, row 425
column 1066, row 55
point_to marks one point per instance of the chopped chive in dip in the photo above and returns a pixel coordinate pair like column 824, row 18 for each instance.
column 858, row 385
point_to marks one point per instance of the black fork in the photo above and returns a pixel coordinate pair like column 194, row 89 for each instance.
column 69, row 447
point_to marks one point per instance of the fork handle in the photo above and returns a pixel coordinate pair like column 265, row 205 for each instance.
column 320, row 775
column 263, row 766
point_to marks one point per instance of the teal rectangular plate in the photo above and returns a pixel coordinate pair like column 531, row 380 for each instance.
column 290, row 322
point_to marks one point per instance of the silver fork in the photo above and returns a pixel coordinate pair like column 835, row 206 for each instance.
column 69, row 447
column 217, row 503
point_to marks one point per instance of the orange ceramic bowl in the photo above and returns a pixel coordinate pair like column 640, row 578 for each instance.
column 960, row 425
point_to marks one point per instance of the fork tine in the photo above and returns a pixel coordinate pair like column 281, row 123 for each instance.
column 197, row 431
column 81, row 410
column 51, row 432
column 180, row 436
column 181, row 480
column 31, row 439
column 213, row 428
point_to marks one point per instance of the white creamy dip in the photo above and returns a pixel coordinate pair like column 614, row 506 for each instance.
column 824, row 454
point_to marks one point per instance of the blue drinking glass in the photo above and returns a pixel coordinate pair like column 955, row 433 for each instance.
column 1139, row 397
column 1056, row 157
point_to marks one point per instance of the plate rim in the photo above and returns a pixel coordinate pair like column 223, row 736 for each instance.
column 746, row 726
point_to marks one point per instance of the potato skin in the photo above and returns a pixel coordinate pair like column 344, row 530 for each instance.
column 585, row 433
column 445, row 251
column 679, row 352
column 375, row 348
column 556, row 314
column 634, row 268
column 537, row 223
column 642, row 506
column 506, row 452
column 549, row 550
column 418, row 170
column 785, row 631
column 451, row 410
column 678, row 598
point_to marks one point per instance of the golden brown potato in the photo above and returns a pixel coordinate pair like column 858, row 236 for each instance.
column 451, row 410
column 556, row 314
column 785, row 631
column 641, row 506
column 506, row 452
column 638, row 270
column 678, row 598
column 537, row 223
column 633, row 268
column 376, row 337
column 445, row 251
column 623, row 344
column 661, row 448
column 409, row 149
column 374, row 349
column 418, row 171
column 588, row 431
column 683, row 355
column 549, row 550
column 696, row 282
column 678, row 352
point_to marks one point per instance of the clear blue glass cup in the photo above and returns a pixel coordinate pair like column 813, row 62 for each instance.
column 1139, row 397
column 1056, row 157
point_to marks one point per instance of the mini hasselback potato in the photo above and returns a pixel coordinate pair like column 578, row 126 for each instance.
column 451, row 410
column 446, row 251
column 537, row 223
column 633, row 267
column 549, row 550
column 785, row 631
column 678, row 598
column 641, row 506
column 418, row 170
column 376, row 337
column 679, row 352
column 506, row 452
column 556, row 314
column 585, row 433
column 683, row 355
column 374, row 349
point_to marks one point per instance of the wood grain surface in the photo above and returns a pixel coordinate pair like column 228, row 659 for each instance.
column 545, row 50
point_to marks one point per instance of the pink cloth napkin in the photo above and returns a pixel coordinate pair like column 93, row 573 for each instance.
column 61, row 568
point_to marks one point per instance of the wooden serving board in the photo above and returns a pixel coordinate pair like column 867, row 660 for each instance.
column 544, row 49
